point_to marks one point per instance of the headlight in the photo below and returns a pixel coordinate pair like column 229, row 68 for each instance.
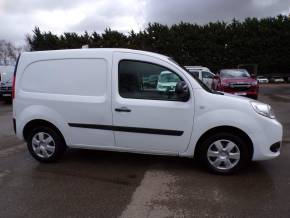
column 263, row 109
column 254, row 83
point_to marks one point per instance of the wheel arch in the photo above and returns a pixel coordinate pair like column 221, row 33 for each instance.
column 37, row 123
column 227, row 129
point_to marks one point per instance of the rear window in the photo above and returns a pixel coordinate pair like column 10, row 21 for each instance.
column 6, row 73
column 84, row 77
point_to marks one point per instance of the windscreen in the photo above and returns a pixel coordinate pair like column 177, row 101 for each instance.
column 234, row 73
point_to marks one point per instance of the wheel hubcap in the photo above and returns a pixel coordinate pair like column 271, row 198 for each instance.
column 223, row 154
column 43, row 145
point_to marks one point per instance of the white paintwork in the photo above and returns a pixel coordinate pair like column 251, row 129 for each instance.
column 92, row 77
column 81, row 86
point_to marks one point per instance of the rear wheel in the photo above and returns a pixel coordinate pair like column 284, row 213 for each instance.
column 224, row 153
column 45, row 144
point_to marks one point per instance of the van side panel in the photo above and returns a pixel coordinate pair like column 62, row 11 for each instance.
column 83, row 77
column 64, row 91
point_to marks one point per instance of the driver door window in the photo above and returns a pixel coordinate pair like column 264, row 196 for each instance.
column 142, row 80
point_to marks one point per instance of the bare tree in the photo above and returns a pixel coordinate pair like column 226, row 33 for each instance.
column 8, row 53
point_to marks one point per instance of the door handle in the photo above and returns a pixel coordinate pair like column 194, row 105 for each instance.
column 122, row 109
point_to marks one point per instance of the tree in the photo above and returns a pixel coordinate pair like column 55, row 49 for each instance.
column 216, row 45
column 8, row 53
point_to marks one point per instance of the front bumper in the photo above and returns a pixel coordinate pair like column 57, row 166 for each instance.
column 249, row 92
column 275, row 147
column 267, row 139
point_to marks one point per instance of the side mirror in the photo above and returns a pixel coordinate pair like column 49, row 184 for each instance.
column 182, row 90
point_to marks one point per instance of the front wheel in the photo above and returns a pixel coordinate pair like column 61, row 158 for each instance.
column 45, row 144
column 225, row 153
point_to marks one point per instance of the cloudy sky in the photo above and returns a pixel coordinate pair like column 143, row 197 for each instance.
column 18, row 17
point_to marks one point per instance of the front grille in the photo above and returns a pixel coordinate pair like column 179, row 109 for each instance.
column 240, row 86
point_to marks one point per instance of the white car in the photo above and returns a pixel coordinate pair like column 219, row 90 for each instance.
column 167, row 81
column 95, row 99
column 202, row 73
column 262, row 79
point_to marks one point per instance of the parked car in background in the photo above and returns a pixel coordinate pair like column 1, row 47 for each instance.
column 277, row 80
column 202, row 73
column 262, row 79
column 167, row 81
column 6, row 76
column 150, row 81
column 237, row 82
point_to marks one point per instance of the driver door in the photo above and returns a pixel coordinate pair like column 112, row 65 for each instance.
column 149, row 118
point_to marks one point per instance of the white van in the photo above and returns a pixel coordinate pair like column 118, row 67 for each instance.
column 167, row 81
column 202, row 73
column 95, row 99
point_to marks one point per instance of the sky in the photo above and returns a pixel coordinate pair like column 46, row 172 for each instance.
column 19, row 17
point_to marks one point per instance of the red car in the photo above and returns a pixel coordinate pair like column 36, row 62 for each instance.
column 237, row 82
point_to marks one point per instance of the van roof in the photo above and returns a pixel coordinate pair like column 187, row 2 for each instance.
column 70, row 53
column 194, row 66
column 197, row 68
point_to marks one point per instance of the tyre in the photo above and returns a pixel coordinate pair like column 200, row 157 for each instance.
column 45, row 144
column 224, row 153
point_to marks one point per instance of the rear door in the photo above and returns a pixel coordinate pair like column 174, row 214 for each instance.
column 145, row 117
column 6, row 75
